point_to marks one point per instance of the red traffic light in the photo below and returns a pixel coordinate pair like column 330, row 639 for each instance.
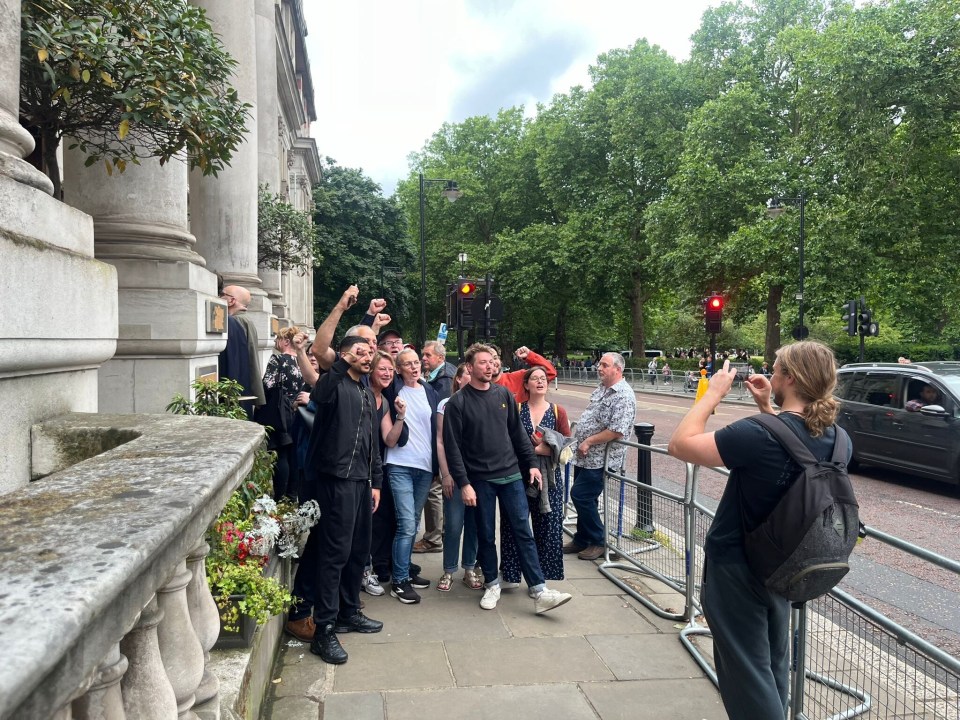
column 715, row 302
column 467, row 288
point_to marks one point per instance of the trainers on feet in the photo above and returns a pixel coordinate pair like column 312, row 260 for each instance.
column 507, row 585
column 419, row 582
column 571, row 547
column 549, row 599
column 425, row 546
column 490, row 597
column 371, row 585
column 405, row 593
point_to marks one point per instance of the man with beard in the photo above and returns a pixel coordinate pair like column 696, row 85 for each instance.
column 344, row 476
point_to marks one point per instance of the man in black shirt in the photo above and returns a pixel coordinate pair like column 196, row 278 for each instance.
column 483, row 439
column 344, row 476
column 750, row 624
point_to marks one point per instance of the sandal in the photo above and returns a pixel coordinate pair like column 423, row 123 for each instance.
column 472, row 580
column 444, row 583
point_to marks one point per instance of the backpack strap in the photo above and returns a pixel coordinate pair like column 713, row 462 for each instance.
column 788, row 438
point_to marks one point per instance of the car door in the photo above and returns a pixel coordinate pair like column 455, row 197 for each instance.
column 923, row 443
column 866, row 413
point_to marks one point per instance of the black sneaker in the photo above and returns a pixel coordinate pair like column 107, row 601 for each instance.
column 415, row 569
column 358, row 623
column 405, row 593
column 419, row 582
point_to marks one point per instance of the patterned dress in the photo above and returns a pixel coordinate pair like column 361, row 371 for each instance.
column 547, row 529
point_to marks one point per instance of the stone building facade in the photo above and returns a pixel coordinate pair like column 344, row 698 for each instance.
column 110, row 296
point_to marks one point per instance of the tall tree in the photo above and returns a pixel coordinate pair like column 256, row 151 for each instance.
column 362, row 238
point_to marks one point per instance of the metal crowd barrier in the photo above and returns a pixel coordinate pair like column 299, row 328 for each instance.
column 678, row 382
column 849, row 659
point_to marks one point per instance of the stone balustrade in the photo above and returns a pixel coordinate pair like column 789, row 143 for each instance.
column 104, row 610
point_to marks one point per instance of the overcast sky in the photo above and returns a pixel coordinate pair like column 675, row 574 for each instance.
column 388, row 73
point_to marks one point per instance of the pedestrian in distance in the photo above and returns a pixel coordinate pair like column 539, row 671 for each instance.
column 748, row 622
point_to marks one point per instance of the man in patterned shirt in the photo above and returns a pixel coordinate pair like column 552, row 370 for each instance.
column 608, row 417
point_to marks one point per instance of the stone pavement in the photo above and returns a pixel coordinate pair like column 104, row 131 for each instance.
column 601, row 656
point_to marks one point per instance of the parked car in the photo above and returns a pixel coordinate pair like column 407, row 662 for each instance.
column 903, row 417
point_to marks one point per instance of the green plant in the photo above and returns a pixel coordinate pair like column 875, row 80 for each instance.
column 128, row 80
column 218, row 398
column 261, row 598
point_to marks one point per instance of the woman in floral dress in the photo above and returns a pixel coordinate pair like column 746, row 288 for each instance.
column 547, row 528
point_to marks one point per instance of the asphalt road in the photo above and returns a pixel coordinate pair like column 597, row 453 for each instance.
column 916, row 594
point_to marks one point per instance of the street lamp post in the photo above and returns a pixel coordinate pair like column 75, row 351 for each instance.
column 774, row 209
column 451, row 192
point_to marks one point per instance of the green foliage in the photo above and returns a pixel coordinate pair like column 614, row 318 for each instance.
column 361, row 236
column 286, row 238
column 128, row 80
column 243, row 589
column 217, row 398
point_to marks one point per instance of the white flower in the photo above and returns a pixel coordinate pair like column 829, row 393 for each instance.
column 264, row 505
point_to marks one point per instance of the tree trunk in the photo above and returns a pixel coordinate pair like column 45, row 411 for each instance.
column 52, row 166
column 560, row 333
column 772, row 339
column 638, row 340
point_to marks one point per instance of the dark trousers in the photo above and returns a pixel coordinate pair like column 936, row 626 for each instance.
column 515, row 511
column 751, row 641
column 331, row 569
column 587, row 486
column 384, row 528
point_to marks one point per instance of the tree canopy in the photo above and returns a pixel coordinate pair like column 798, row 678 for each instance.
column 127, row 80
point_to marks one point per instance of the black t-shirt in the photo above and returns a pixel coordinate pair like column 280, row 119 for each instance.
column 760, row 473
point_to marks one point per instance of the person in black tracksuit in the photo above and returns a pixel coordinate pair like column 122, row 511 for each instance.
column 344, row 476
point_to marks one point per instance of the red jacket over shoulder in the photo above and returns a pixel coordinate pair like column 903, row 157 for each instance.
column 513, row 381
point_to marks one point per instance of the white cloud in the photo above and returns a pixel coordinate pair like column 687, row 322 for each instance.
column 388, row 74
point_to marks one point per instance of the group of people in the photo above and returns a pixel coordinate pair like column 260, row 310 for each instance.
column 393, row 429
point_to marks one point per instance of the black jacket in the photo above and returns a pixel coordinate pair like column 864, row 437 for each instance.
column 443, row 382
column 341, row 444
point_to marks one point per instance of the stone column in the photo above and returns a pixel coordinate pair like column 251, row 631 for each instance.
column 268, row 132
column 147, row 692
column 51, row 288
column 15, row 142
column 140, row 227
column 103, row 701
column 180, row 649
column 223, row 209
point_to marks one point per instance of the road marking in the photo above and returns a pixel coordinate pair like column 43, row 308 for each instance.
column 928, row 509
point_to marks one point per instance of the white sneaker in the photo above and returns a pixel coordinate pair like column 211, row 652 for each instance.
column 371, row 585
column 508, row 585
column 549, row 599
column 490, row 598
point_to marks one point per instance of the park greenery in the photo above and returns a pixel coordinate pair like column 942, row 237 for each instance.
column 286, row 237
column 125, row 80
column 610, row 214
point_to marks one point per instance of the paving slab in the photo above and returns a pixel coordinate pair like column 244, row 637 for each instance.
column 655, row 700
column 353, row 706
column 583, row 615
column 529, row 702
column 519, row 661
column 645, row 657
column 298, row 708
column 393, row 666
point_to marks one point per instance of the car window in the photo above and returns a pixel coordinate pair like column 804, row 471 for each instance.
column 844, row 380
column 875, row 389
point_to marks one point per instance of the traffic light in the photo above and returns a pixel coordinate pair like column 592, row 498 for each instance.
column 465, row 291
column 714, row 313
column 867, row 327
column 850, row 316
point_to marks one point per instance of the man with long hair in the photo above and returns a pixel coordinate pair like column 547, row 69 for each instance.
column 749, row 623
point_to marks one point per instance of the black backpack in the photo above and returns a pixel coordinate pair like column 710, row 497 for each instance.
column 801, row 549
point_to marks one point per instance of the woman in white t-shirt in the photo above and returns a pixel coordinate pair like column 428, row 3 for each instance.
column 410, row 466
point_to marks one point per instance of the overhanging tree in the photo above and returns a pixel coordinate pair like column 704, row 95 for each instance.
column 127, row 80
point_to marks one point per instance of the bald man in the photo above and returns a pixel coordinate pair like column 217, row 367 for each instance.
column 238, row 298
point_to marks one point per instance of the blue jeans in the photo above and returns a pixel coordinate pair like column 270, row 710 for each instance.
column 410, row 487
column 458, row 520
column 587, row 486
column 515, row 511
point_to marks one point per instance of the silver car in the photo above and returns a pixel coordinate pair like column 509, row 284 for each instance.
column 903, row 416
